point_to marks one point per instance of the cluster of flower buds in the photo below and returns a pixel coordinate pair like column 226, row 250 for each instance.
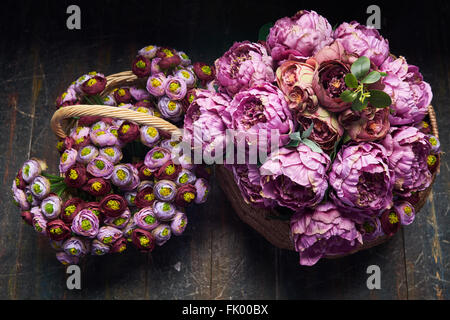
column 119, row 183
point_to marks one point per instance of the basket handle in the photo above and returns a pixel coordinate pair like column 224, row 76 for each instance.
column 111, row 112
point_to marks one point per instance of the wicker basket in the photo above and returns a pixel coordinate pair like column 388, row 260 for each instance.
column 276, row 231
column 62, row 119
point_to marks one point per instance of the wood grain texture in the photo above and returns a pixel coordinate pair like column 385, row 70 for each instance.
column 219, row 257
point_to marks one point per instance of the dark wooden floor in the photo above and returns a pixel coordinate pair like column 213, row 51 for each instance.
column 219, row 256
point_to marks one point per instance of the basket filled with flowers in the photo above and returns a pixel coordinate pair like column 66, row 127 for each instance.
column 350, row 135
column 123, row 179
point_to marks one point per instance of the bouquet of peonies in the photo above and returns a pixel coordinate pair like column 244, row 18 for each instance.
column 119, row 182
column 354, row 150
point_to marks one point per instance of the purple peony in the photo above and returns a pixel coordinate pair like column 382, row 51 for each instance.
column 256, row 112
column 361, row 179
column 204, row 126
column 295, row 178
column 248, row 179
column 243, row 65
column 407, row 150
column 301, row 36
column 323, row 232
column 410, row 97
column 364, row 41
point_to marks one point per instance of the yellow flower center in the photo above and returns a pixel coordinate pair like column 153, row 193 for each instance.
column 144, row 241
column 107, row 240
column 85, row 152
column 73, row 251
column 170, row 169
column 431, row 160
column 113, row 204
column 110, row 152
column 100, row 164
column 156, row 83
column 73, row 175
column 57, row 231
column 86, row 225
column 64, row 157
column 121, row 92
column 91, row 82
column 152, row 132
column 186, row 74
column 70, row 210
column 119, row 221
column 433, row 141
column 407, row 210
column 393, row 219
column 172, row 106
column 141, row 64
column 168, row 53
column 165, row 232
column 149, row 197
column 184, row 178
column 149, row 220
column 188, row 197
column 147, row 172
column 121, row 174
column 125, row 128
column 165, row 191
column 97, row 186
column 207, row 70
column 174, row 86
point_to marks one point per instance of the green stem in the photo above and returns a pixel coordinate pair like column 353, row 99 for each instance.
column 51, row 176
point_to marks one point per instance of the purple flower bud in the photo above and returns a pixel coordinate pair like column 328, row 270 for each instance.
column 175, row 88
column 202, row 187
column 121, row 176
column 146, row 219
column 185, row 177
column 185, row 60
column 100, row 167
column 149, row 136
column 39, row 222
column 131, row 197
column 103, row 138
column 156, row 84
column 119, row 222
column 98, row 248
column 40, row 187
column 67, row 259
column 75, row 247
column 435, row 144
column 157, row 157
column 406, row 212
column 86, row 224
column 109, row 235
column 149, row 52
column 170, row 109
column 51, row 207
column 370, row 228
column 112, row 154
column 187, row 76
column 162, row 234
column 20, row 199
column 129, row 228
column 84, row 156
column 139, row 94
column 179, row 224
column 164, row 211
column 165, row 190
column 109, row 101
column 30, row 170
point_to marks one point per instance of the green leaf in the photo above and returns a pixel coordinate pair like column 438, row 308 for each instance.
column 357, row 105
column 361, row 67
column 293, row 144
column 307, row 133
column 348, row 96
column 372, row 77
column 383, row 74
column 346, row 138
column 312, row 145
column 264, row 31
column 295, row 136
column 351, row 81
column 379, row 99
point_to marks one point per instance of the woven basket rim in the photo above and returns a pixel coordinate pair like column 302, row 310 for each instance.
column 113, row 81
